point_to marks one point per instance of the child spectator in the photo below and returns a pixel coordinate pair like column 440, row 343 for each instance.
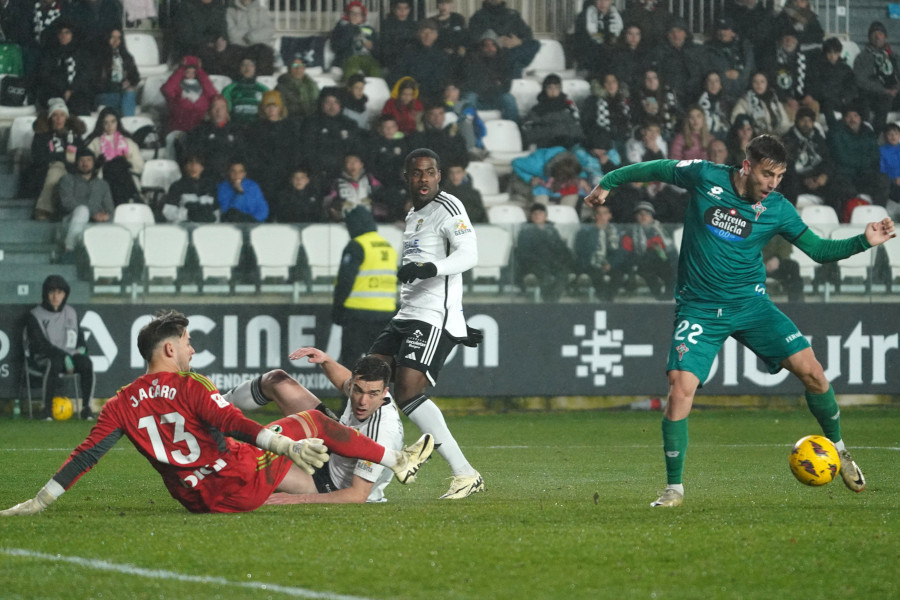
column 193, row 197
column 299, row 202
column 241, row 199
column 652, row 256
column 118, row 156
column 244, row 94
column 188, row 93
column 692, row 141
column 355, row 43
column 890, row 158
column 354, row 99
column 404, row 105
column 470, row 125
column 354, row 187
column 554, row 120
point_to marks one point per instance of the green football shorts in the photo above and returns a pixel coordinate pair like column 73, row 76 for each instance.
column 757, row 324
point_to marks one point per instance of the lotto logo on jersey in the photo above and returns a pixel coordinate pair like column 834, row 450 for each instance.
column 727, row 224
column 462, row 228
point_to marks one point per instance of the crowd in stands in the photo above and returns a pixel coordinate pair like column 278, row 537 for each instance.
column 301, row 153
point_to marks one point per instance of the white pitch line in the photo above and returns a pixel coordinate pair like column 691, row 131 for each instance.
column 102, row 565
column 693, row 443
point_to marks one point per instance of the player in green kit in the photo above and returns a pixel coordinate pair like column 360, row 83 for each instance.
column 721, row 287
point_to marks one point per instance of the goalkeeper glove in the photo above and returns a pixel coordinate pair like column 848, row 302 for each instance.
column 31, row 507
column 412, row 271
column 473, row 337
column 309, row 454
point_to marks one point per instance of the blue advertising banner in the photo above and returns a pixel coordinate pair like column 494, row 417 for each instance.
column 528, row 349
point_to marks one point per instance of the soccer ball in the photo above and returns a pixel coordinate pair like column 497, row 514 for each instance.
column 62, row 408
column 814, row 460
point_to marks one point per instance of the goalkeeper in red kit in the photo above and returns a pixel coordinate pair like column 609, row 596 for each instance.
column 209, row 455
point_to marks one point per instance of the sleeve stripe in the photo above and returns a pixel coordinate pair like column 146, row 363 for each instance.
column 209, row 385
column 448, row 204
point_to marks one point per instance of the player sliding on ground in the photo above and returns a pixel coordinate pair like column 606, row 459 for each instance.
column 721, row 290
column 193, row 437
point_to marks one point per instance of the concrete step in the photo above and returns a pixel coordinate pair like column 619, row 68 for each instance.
column 30, row 293
column 35, row 273
column 10, row 214
column 28, row 232
column 26, row 257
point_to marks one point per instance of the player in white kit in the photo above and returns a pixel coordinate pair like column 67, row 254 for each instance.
column 438, row 247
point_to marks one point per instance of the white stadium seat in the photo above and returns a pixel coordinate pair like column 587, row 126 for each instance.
column 503, row 141
column 109, row 250
column 145, row 50
column 218, row 247
column 511, row 214
column 165, row 249
column 133, row 217
column 484, row 179
column 324, row 243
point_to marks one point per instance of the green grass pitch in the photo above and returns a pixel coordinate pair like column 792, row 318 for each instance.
column 565, row 515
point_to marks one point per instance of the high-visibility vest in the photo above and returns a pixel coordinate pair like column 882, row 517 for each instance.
column 375, row 286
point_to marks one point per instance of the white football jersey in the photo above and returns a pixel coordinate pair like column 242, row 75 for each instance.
column 384, row 427
column 439, row 233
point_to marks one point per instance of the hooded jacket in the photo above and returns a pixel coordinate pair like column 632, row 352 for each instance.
column 54, row 332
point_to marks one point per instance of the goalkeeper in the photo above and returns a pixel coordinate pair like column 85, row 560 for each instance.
column 721, row 289
column 193, row 437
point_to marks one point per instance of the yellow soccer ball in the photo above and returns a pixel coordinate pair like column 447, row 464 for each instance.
column 814, row 460
column 62, row 408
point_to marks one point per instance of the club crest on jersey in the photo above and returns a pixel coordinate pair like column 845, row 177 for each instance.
column 682, row 350
column 759, row 208
column 727, row 223
column 462, row 228
column 419, row 224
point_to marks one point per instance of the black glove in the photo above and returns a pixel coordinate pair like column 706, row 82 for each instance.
column 412, row 271
column 473, row 337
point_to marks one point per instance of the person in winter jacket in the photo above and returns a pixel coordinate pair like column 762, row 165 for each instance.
column 554, row 120
column 188, row 93
column 118, row 156
column 404, row 105
column 57, row 139
column 116, row 75
column 240, row 199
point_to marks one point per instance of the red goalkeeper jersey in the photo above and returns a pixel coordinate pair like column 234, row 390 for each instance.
column 184, row 427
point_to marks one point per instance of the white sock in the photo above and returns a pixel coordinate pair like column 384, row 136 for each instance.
column 840, row 445
column 391, row 458
column 678, row 487
column 428, row 417
column 247, row 396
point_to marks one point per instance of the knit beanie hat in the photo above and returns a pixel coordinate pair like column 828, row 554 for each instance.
column 57, row 104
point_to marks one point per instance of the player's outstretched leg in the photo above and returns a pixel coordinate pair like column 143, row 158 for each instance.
column 825, row 409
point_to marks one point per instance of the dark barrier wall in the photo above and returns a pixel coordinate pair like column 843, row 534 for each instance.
column 529, row 350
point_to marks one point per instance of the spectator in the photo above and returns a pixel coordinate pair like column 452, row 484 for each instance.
column 651, row 253
column 599, row 258
column 761, row 104
column 66, row 72
column 876, row 70
column 217, row 139
column 365, row 289
column 597, row 30
column 718, row 153
column 647, row 144
column 193, row 197
column 272, row 148
column 470, row 125
column 404, row 105
column 299, row 202
column 43, row 19
column 553, row 174
column 798, row 17
column 244, row 94
column 83, row 198
column 354, row 187
column 730, row 57
column 629, row 58
column 680, row 59
column 250, row 27
column 189, row 93
column 782, row 268
column 554, row 120
column 716, row 105
column 221, row 58
column 241, row 199
column 116, row 75
column 692, row 141
column 298, row 91
column 57, row 139
column 435, row 135
column 832, row 82
column 328, row 136
column 459, row 184
column 354, row 100
column 809, row 164
column 425, row 62
column 742, row 131
column 198, row 25
column 400, row 28
column 607, row 115
column 652, row 19
column 542, row 257
column 754, row 22
column 56, row 340
column 512, row 33
column 890, row 159
column 654, row 100
column 355, row 43
column 488, row 78
column 94, row 19
column 453, row 36
column 789, row 70
column 854, row 148
column 118, row 156
column 387, row 148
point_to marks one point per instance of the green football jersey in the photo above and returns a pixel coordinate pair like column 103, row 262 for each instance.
column 720, row 262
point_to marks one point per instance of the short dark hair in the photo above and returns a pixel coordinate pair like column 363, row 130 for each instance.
column 372, row 368
column 892, row 127
column 832, row 45
column 166, row 324
column 766, row 147
column 421, row 153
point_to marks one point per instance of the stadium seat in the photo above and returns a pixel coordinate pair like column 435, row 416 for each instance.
column 849, row 51
column 108, row 248
column 489, row 115
column 512, row 214
column 270, row 81
column 218, row 248
column 151, row 96
column 823, row 217
column 525, row 91
column 156, row 178
column 855, row 267
column 804, row 200
column 21, row 134
column 9, row 113
column 549, row 59
column 90, row 121
column 378, row 93
column 220, row 82
column 136, row 122
column 863, row 214
column 276, row 247
column 677, row 236
column 145, row 50
column 808, row 267
column 893, row 255
column 484, row 179
column 394, row 235
column 133, row 217
column 165, row 249
column 324, row 243
column 37, row 370
column 561, row 214
column 503, row 141
column 494, row 248
column 577, row 90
